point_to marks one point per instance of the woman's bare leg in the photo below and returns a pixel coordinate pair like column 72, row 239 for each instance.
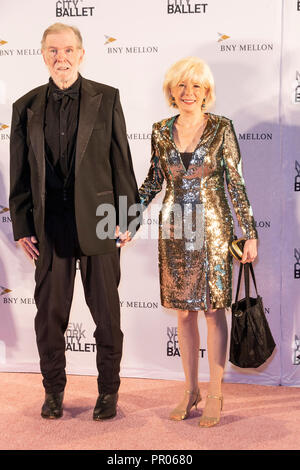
column 189, row 343
column 217, row 336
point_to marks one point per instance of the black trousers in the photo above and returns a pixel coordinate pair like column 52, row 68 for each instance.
column 100, row 276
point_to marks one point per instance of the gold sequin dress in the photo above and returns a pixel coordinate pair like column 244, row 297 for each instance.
column 195, row 221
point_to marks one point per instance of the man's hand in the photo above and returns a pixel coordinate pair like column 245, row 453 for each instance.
column 250, row 251
column 27, row 244
column 122, row 238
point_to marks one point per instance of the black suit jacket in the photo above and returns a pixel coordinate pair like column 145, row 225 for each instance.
column 103, row 166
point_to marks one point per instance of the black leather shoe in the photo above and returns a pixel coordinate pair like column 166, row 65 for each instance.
column 106, row 406
column 52, row 407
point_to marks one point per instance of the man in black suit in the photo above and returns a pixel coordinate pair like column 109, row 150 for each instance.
column 69, row 157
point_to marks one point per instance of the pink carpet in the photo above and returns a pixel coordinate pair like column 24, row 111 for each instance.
column 254, row 417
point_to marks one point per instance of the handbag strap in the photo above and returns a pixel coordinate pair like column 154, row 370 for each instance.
column 246, row 267
column 239, row 282
column 247, row 284
column 253, row 277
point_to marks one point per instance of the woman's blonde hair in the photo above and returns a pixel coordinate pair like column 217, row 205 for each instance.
column 191, row 68
column 58, row 28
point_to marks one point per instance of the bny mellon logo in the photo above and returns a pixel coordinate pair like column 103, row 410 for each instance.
column 109, row 39
column 3, row 209
column 3, row 126
column 2, row 42
column 222, row 37
column 4, row 290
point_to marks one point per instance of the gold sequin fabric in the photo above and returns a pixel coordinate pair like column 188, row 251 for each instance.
column 195, row 221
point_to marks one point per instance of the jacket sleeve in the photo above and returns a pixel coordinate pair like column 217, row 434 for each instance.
column 20, row 199
column 155, row 178
column 125, row 187
column 235, row 183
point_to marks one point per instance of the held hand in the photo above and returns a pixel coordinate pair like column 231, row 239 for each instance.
column 27, row 244
column 122, row 238
column 250, row 251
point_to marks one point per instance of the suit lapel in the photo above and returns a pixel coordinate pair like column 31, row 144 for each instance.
column 35, row 116
column 89, row 106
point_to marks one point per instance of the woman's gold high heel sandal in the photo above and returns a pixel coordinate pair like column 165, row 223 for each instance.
column 178, row 413
column 209, row 421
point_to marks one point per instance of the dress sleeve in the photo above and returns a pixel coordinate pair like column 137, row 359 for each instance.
column 155, row 178
column 236, row 184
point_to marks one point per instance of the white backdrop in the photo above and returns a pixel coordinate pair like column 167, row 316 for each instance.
column 252, row 48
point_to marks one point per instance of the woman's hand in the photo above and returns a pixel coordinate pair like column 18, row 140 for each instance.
column 250, row 251
column 122, row 238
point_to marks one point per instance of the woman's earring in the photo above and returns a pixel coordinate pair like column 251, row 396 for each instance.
column 173, row 103
column 203, row 103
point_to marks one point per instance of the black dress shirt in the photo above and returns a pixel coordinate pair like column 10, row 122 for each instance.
column 61, row 123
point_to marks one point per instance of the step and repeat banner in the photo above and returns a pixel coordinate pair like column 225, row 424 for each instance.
column 253, row 51
column 290, row 196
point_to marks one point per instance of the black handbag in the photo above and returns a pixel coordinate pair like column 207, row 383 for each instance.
column 251, row 341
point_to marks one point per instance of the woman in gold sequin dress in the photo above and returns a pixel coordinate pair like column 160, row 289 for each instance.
column 194, row 152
